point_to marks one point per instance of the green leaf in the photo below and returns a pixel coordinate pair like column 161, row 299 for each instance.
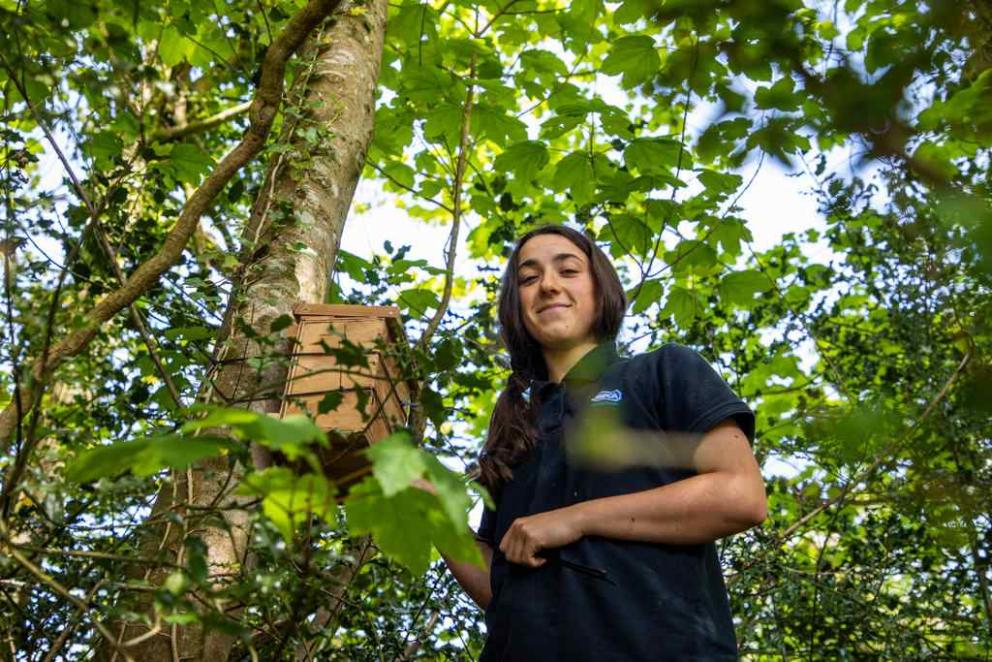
column 968, row 112
column 400, row 172
column 399, row 525
column 173, row 48
column 451, row 490
column 691, row 255
column 629, row 235
column 433, row 405
column 330, row 402
column 648, row 155
column 407, row 524
column 682, row 305
column 586, row 10
column 566, row 118
column 406, row 521
column 447, row 354
column 650, row 293
column 413, row 24
column 444, row 123
column 176, row 583
column 183, row 618
column 779, row 138
column 523, row 159
column 780, row 96
column 720, row 182
column 189, row 333
column 291, row 436
column 353, row 265
column 289, row 500
column 103, row 147
column 630, row 11
column 77, row 15
column 635, row 57
column 739, row 287
column 498, row 125
column 396, row 462
column 937, row 158
column 543, row 62
column 574, row 174
column 282, row 322
column 145, row 456
column 729, row 233
column 417, row 301
column 189, row 162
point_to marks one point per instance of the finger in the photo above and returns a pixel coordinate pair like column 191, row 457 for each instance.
column 520, row 550
column 507, row 546
column 503, row 543
column 515, row 550
column 532, row 558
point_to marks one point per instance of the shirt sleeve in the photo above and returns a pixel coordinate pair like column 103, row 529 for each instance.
column 487, row 527
column 692, row 397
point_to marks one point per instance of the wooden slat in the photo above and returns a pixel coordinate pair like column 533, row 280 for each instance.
column 313, row 373
column 345, row 310
column 317, row 333
column 346, row 417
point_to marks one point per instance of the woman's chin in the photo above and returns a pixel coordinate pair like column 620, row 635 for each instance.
column 561, row 341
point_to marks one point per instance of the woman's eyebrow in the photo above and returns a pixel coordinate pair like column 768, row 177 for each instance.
column 560, row 257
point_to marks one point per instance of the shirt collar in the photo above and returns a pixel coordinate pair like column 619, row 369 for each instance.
column 592, row 364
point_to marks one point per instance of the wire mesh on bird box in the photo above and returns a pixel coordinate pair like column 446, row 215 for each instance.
column 345, row 372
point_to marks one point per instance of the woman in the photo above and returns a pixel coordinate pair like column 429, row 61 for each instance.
column 593, row 562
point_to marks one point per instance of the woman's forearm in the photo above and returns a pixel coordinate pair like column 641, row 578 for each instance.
column 473, row 579
column 695, row 510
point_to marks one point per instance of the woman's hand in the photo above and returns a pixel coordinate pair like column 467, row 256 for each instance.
column 529, row 535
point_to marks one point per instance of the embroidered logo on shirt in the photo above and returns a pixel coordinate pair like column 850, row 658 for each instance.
column 613, row 396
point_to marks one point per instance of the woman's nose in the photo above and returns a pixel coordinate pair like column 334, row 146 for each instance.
column 550, row 283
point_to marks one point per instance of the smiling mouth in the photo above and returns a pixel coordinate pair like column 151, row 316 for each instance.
column 552, row 307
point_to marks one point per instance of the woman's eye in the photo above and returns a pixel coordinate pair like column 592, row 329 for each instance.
column 527, row 279
column 570, row 271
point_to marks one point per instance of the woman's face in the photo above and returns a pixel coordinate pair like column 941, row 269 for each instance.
column 557, row 292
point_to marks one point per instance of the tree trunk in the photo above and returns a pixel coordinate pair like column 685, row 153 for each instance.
column 288, row 258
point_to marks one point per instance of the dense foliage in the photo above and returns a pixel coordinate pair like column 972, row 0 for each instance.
column 642, row 122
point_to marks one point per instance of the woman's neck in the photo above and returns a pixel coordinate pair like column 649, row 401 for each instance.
column 561, row 360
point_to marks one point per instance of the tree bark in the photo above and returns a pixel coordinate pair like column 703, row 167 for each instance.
column 287, row 258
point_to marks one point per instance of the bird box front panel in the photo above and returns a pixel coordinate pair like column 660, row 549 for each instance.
column 340, row 349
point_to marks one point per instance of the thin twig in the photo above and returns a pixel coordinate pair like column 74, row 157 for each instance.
column 456, row 209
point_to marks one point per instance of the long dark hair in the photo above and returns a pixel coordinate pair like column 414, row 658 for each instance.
column 512, row 432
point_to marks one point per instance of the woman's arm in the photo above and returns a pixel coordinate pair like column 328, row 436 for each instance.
column 473, row 579
column 726, row 496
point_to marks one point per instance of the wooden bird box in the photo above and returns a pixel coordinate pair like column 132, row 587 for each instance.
column 345, row 350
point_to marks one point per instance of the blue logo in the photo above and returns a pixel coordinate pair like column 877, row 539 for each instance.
column 613, row 396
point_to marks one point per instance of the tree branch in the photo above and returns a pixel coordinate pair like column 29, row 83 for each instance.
column 262, row 113
column 198, row 126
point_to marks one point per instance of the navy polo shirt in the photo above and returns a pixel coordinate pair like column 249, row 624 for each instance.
column 601, row 599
